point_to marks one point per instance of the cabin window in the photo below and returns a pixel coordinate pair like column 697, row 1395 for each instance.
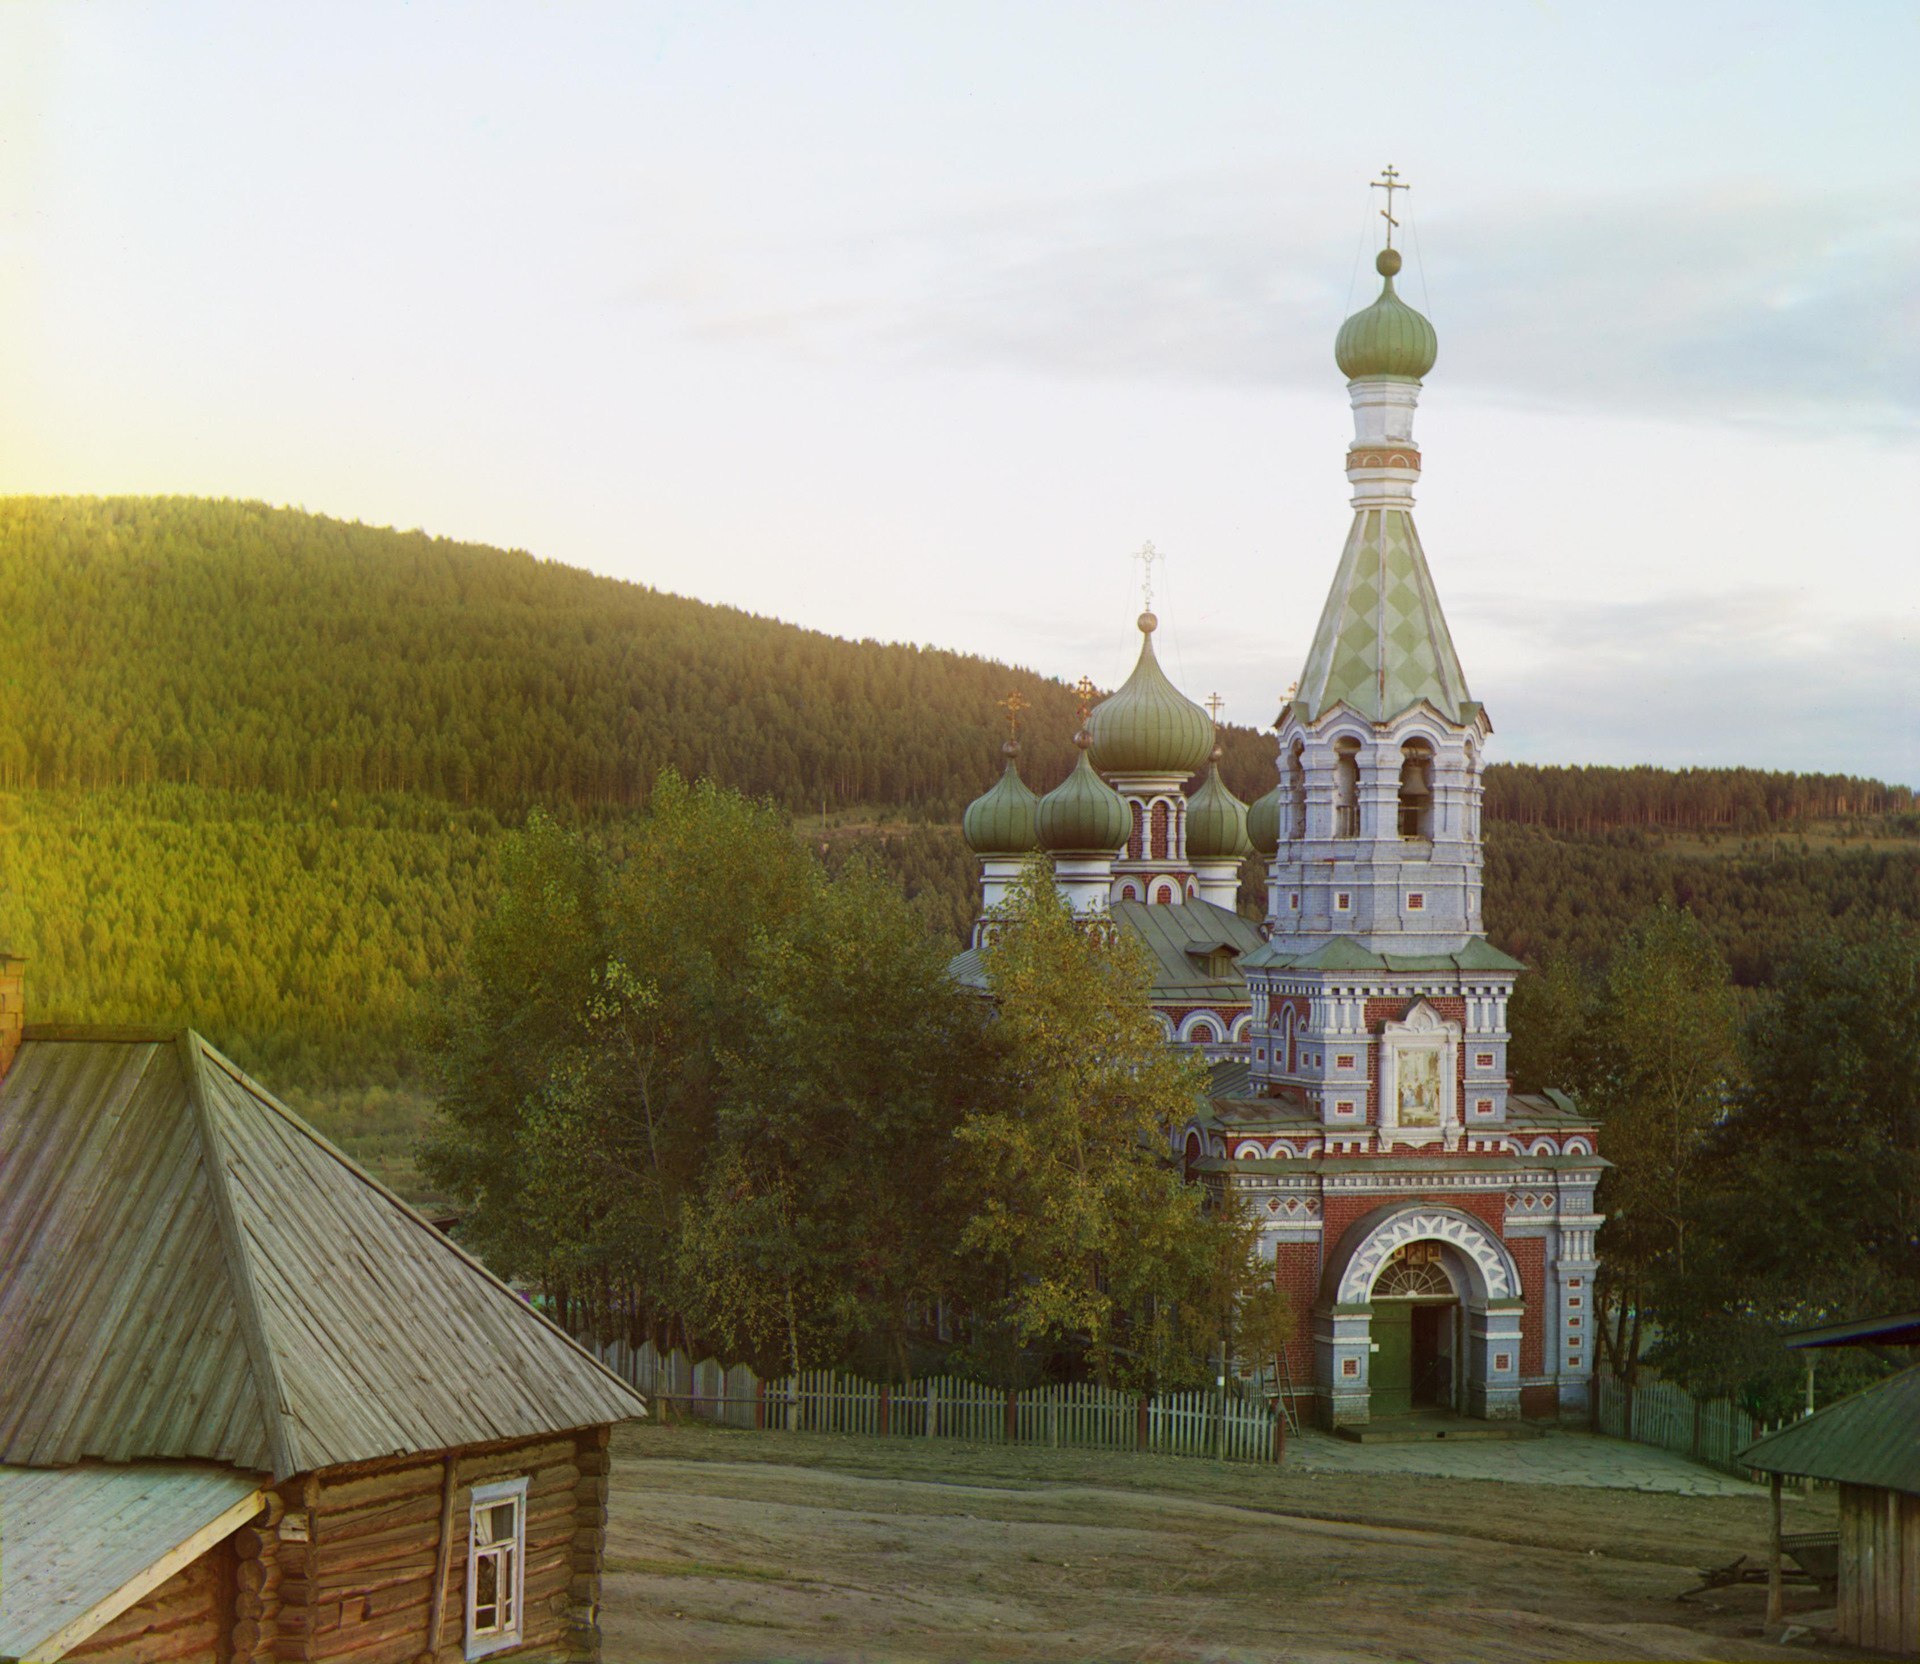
column 496, row 1548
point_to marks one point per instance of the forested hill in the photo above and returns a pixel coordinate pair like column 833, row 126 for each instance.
column 229, row 645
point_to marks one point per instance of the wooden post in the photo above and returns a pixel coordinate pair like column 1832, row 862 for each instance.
column 759, row 1405
column 443, row 1558
column 886, row 1409
column 1142, row 1442
column 1013, row 1416
column 1773, row 1554
column 933, row 1411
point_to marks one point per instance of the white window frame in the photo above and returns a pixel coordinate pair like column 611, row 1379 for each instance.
column 485, row 1497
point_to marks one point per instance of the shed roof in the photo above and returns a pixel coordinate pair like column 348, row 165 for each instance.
column 196, row 1273
column 1872, row 1438
column 84, row 1544
column 1902, row 1329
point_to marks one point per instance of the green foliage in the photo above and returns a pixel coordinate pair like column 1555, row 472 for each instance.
column 1810, row 1202
column 695, row 1085
column 1094, row 1245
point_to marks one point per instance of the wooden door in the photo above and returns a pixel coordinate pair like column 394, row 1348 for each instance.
column 1390, row 1380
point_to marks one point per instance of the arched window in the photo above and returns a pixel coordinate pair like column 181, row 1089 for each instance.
column 1160, row 831
column 1286, row 1041
column 1164, row 895
column 1414, row 1273
column 1193, row 1154
column 1416, row 789
column 1128, row 893
column 1297, row 791
column 1346, row 788
column 1203, row 1033
column 1136, row 839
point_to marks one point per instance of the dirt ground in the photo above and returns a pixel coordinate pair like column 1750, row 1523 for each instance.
column 727, row 1546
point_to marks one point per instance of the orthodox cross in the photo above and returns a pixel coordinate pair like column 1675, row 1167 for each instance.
column 1013, row 705
column 1389, row 181
column 1146, row 557
column 1215, row 705
column 1085, row 688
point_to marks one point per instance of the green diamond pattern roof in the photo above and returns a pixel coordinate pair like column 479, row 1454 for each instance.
column 1383, row 644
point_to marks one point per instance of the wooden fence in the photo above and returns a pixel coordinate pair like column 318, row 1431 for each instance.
column 1656, row 1412
column 1074, row 1415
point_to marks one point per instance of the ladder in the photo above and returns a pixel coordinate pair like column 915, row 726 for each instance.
column 1283, row 1370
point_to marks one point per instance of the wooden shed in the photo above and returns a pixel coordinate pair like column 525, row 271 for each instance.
column 254, row 1406
column 1868, row 1445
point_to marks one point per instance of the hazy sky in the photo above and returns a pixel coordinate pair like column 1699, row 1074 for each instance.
column 914, row 320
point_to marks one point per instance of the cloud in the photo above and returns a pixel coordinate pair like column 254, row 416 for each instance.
column 1750, row 678
column 1742, row 303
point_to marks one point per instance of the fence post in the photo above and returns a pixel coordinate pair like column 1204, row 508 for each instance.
column 1013, row 1416
column 886, row 1409
column 933, row 1410
column 759, row 1405
column 1141, row 1441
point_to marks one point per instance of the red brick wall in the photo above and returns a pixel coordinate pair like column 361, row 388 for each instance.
column 1540, row 1403
column 1296, row 1271
column 1530, row 1253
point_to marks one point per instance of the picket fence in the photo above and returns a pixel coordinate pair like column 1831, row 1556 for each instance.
column 1713, row 1431
column 1072, row 1415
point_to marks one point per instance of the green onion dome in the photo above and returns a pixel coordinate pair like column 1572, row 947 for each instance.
column 1000, row 821
column 1216, row 820
column 1388, row 338
column 1082, row 815
column 1149, row 726
column 1263, row 824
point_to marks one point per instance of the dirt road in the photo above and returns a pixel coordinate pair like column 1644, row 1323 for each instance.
column 743, row 1546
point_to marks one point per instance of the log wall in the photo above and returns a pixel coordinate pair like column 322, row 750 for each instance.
column 185, row 1619
column 341, row 1567
column 1879, row 1605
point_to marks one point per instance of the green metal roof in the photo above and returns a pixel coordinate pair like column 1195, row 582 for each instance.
column 1000, row 821
column 1171, row 933
column 1872, row 1438
column 1387, row 338
column 1216, row 822
column 194, row 1273
column 1149, row 726
column 1082, row 815
column 1382, row 645
column 83, row 1544
column 1342, row 953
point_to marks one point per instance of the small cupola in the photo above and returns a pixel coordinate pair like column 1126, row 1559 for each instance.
column 1387, row 338
column 1082, row 815
column 1149, row 726
column 1216, row 820
column 1001, row 821
column 1263, row 824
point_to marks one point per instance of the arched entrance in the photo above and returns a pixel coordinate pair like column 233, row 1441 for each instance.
column 1418, row 1295
column 1417, row 1333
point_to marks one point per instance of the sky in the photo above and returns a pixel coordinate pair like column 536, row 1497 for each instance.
column 914, row 321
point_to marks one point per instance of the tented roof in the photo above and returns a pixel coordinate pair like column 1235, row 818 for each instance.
column 193, row 1272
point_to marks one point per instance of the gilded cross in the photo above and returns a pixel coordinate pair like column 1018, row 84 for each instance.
column 1215, row 705
column 1013, row 705
column 1389, row 181
column 1085, row 688
column 1146, row 557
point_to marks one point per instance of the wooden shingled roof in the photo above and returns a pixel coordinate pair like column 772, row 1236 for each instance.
column 193, row 1272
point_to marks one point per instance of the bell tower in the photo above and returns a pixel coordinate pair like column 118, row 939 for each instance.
column 1373, row 909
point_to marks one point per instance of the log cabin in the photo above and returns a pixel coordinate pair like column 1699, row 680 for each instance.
column 253, row 1406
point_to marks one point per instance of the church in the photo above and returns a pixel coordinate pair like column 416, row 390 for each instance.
column 1434, row 1229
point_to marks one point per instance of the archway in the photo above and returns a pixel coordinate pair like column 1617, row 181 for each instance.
column 1366, row 1352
